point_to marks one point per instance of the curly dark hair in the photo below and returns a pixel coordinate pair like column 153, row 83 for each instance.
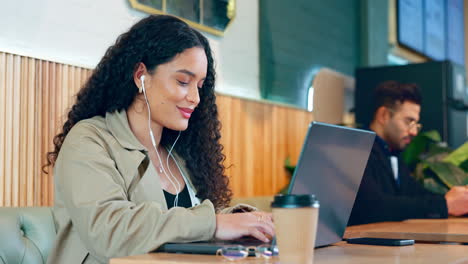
column 153, row 41
column 392, row 93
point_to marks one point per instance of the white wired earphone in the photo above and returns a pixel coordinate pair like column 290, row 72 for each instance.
column 153, row 141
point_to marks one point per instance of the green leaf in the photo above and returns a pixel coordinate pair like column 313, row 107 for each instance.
column 419, row 172
column 464, row 166
column 420, row 144
column 413, row 151
column 449, row 174
column 458, row 156
column 434, row 157
column 434, row 149
column 432, row 135
column 434, row 186
column 287, row 165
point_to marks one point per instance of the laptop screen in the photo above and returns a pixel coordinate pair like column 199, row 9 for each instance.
column 331, row 166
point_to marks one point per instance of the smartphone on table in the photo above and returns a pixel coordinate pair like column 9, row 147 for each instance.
column 380, row 241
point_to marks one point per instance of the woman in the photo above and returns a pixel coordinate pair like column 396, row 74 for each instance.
column 138, row 162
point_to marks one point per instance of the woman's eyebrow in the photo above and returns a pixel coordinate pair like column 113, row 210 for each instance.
column 188, row 73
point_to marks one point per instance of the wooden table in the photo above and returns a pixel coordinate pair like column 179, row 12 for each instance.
column 431, row 230
column 341, row 253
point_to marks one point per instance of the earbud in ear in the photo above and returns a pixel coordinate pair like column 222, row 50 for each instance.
column 142, row 86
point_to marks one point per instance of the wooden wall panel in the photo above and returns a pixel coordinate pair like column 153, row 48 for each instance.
column 3, row 127
column 35, row 96
column 258, row 137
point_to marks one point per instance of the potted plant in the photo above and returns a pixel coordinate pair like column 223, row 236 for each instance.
column 434, row 165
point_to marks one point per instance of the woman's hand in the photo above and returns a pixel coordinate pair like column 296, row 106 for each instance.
column 255, row 224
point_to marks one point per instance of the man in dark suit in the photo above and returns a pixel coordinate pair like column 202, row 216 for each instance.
column 388, row 192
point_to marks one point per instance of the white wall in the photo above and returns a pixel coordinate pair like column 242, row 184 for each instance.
column 77, row 32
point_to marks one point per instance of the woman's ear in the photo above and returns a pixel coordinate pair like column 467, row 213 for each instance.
column 138, row 73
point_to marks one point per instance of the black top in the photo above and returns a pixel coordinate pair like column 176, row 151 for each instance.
column 184, row 199
column 381, row 198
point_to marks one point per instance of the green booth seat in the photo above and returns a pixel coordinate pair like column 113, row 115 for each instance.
column 27, row 234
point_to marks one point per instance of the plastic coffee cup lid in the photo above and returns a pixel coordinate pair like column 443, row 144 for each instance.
column 295, row 201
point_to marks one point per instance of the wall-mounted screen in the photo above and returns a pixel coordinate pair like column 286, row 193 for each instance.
column 433, row 28
column 410, row 24
column 455, row 32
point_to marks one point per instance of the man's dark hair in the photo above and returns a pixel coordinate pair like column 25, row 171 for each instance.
column 392, row 93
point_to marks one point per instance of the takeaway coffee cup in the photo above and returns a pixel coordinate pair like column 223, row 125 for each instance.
column 295, row 218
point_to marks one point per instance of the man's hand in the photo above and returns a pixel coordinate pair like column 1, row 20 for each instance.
column 457, row 200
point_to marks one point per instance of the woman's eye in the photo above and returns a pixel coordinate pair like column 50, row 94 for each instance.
column 182, row 83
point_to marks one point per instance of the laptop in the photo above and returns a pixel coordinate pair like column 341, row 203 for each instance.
column 331, row 166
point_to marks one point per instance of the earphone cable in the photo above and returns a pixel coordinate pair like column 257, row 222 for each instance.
column 176, row 200
column 153, row 141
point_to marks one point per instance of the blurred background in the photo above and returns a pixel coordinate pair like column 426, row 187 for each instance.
column 280, row 65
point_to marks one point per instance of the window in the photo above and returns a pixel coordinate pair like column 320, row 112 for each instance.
column 212, row 16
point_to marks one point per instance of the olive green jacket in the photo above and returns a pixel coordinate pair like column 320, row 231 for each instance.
column 109, row 201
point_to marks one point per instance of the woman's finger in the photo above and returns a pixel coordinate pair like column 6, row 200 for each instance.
column 264, row 219
column 267, row 227
column 254, row 232
column 269, row 215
